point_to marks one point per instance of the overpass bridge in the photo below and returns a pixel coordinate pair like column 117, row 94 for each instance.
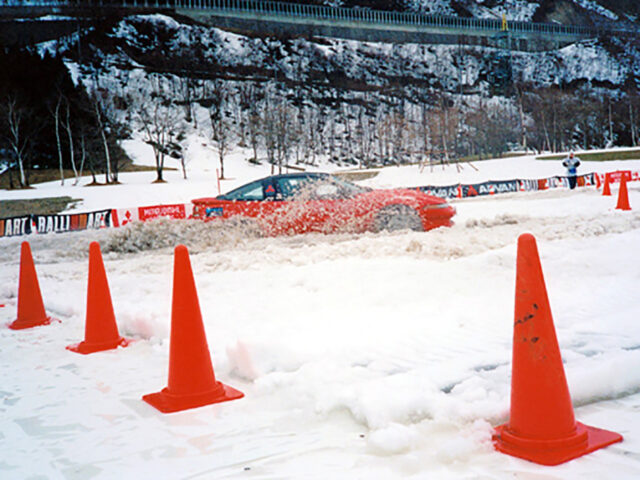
column 21, row 20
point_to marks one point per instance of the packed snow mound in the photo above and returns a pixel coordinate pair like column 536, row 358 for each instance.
column 165, row 233
column 475, row 236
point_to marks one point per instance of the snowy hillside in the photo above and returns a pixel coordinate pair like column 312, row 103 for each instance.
column 355, row 103
column 305, row 99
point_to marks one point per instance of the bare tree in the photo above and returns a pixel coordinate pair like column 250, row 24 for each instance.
column 243, row 110
column 284, row 133
column 269, row 132
column 221, row 131
column 100, row 108
column 161, row 127
column 254, row 131
column 425, row 134
column 68, row 128
column 20, row 128
column 56, row 119
column 311, row 137
column 633, row 100
column 186, row 89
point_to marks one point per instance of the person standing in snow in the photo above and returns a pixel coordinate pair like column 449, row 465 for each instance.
column 571, row 163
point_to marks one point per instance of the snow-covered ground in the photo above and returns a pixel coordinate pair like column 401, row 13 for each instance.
column 375, row 356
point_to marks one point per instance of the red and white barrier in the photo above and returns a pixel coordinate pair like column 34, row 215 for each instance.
column 615, row 177
column 118, row 217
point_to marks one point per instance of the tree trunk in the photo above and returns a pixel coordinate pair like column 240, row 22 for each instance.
column 523, row 129
column 83, row 157
column 58, row 141
column 221, row 156
column 159, row 166
column 632, row 125
column 23, row 177
column 610, row 125
column 67, row 127
column 107, row 156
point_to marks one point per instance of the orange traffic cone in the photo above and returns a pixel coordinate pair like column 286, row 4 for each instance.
column 30, row 306
column 541, row 427
column 100, row 331
column 192, row 382
column 606, row 190
column 623, row 195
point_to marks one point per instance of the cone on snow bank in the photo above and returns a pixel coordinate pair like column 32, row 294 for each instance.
column 542, row 426
column 101, row 331
column 623, row 195
column 606, row 190
column 31, row 311
column 192, row 382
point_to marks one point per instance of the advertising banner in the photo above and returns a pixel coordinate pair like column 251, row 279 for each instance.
column 71, row 222
column 527, row 185
column 122, row 216
column 557, row 182
column 492, row 187
column 450, row 191
column 615, row 177
column 486, row 188
column 14, row 226
column 172, row 211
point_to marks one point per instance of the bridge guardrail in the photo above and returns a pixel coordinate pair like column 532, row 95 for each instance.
column 324, row 13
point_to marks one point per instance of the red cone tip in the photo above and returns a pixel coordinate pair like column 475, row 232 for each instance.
column 101, row 331
column 542, row 426
column 192, row 382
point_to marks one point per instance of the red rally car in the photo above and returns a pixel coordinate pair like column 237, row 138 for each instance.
column 318, row 202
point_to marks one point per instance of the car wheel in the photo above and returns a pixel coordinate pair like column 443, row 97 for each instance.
column 398, row 217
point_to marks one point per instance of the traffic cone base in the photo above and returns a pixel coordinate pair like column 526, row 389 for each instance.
column 585, row 440
column 86, row 347
column 166, row 402
column 21, row 324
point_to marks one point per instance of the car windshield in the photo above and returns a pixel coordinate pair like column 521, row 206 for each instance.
column 252, row 191
column 318, row 187
column 296, row 187
column 348, row 187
